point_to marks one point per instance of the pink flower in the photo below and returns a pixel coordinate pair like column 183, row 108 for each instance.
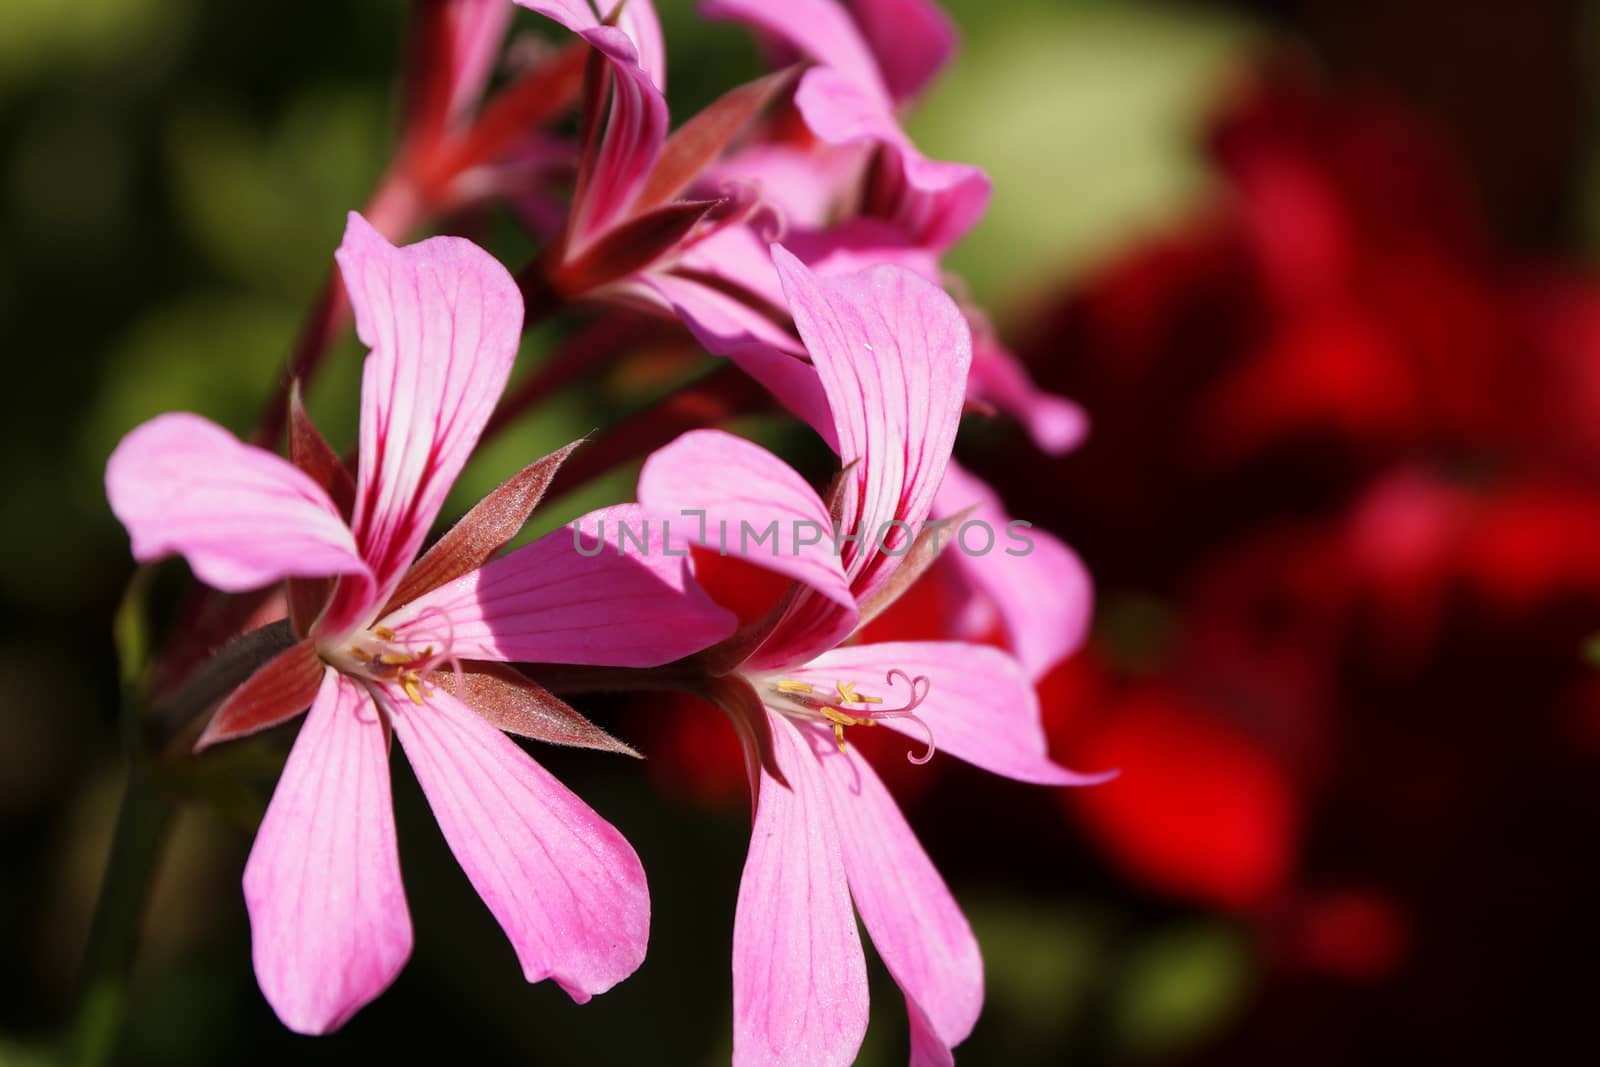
column 891, row 352
column 849, row 101
column 414, row 648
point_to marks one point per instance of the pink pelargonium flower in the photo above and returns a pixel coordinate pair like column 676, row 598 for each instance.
column 1041, row 600
column 388, row 644
column 892, row 353
column 850, row 100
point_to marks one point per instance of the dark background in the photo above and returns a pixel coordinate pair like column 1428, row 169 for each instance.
column 173, row 178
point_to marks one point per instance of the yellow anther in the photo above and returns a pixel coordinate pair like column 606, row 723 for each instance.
column 848, row 694
column 840, row 720
column 786, row 685
column 361, row 654
column 383, row 633
column 395, row 659
column 413, row 687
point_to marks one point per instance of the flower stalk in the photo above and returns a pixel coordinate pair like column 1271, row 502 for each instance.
column 136, row 846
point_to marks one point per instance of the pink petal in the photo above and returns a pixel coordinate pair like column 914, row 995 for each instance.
column 913, row 921
column 1056, row 424
column 443, row 320
column 637, row 126
column 803, row 184
column 980, row 705
column 477, row 27
column 549, row 602
column 634, row 134
column 561, row 881
column 857, row 244
column 724, row 319
column 742, row 493
column 799, row 975
column 241, row 516
column 928, row 1049
column 892, row 352
column 934, row 202
column 819, row 29
column 329, row 928
column 638, row 21
column 912, row 40
column 740, row 260
column 1037, row 585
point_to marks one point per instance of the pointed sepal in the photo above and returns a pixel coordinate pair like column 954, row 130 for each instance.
column 702, row 140
column 483, row 531
column 516, row 704
column 739, row 700
column 281, row 689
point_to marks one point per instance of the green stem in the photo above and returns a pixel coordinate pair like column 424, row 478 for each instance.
column 108, row 962
column 142, row 823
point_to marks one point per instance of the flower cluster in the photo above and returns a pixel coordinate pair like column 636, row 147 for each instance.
column 793, row 230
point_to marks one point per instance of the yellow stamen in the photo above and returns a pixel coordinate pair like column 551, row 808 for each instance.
column 413, row 687
column 848, row 695
column 786, row 685
column 384, row 633
column 840, row 720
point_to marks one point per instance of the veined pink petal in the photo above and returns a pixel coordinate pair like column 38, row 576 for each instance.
column 912, row 40
column 635, row 131
column 739, row 255
column 570, row 597
column 913, row 920
column 892, row 352
column 1056, row 424
column 750, row 504
column 731, row 321
column 820, row 30
column 476, row 29
column 638, row 21
column 1038, row 585
column 933, row 201
column 980, row 706
column 329, row 928
column 799, row 975
column 443, row 320
column 721, row 321
column 637, row 126
column 562, row 882
column 241, row 516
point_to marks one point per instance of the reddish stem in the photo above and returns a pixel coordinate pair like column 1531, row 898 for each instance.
column 719, row 395
column 592, row 347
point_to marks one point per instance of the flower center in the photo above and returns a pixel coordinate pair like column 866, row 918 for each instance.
column 379, row 654
column 844, row 705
